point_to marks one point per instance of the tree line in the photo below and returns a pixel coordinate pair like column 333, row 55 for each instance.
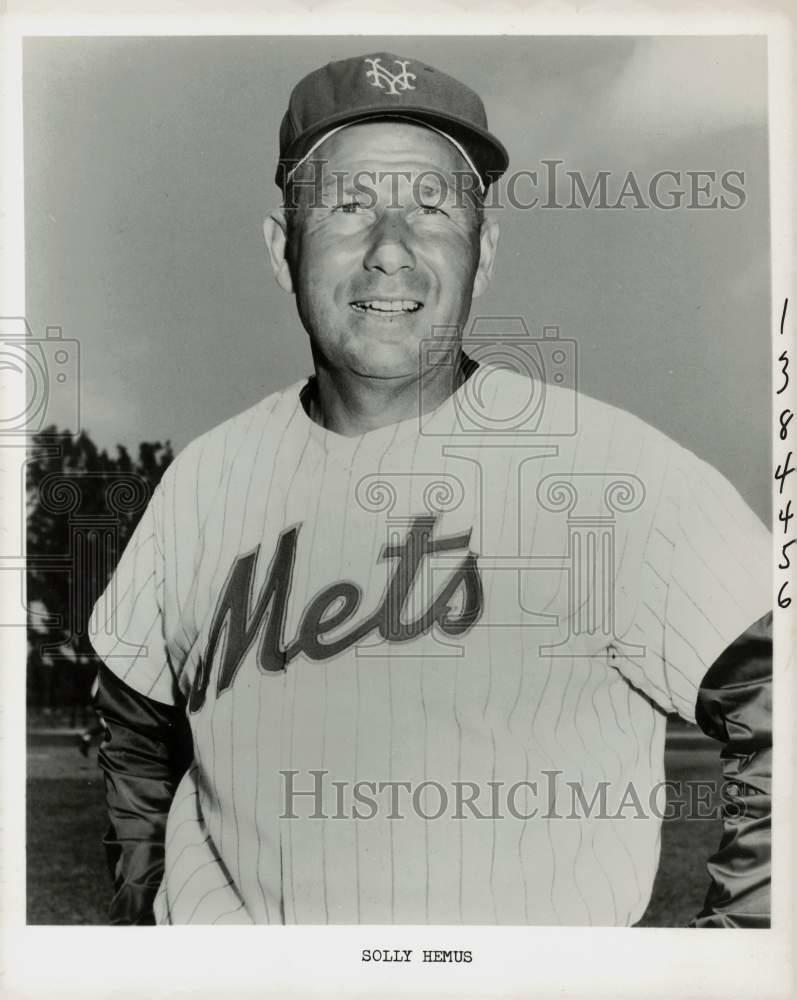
column 82, row 505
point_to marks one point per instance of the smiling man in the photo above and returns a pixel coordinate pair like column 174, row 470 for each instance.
column 397, row 644
column 385, row 242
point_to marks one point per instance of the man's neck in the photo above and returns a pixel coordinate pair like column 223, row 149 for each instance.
column 351, row 405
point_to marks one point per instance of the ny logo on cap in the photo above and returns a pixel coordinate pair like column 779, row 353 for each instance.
column 379, row 76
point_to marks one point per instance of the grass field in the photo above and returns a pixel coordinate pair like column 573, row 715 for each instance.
column 68, row 882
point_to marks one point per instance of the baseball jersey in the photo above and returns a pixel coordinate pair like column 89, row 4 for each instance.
column 427, row 668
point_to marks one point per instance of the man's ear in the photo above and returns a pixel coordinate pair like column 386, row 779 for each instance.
column 488, row 244
column 275, row 231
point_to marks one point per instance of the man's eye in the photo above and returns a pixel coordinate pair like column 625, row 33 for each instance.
column 432, row 210
column 348, row 207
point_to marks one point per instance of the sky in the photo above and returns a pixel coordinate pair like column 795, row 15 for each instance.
column 149, row 169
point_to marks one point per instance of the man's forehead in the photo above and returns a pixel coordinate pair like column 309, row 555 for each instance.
column 387, row 145
column 420, row 178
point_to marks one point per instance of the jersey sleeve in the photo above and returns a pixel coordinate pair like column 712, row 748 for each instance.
column 734, row 706
column 127, row 628
column 720, row 577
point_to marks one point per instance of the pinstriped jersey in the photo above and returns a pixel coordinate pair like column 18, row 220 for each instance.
column 427, row 668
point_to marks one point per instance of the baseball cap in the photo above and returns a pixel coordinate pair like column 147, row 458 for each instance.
column 384, row 85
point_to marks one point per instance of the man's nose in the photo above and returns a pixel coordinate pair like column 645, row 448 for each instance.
column 390, row 246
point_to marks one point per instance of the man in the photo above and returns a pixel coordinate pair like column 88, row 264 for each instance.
column 423, row 616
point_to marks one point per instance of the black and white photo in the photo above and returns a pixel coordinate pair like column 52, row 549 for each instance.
column 406, row 538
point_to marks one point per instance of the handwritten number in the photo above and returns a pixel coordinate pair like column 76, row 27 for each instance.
column 783, row 472
column 784, row 357
column 784, row 553
column 784, row 516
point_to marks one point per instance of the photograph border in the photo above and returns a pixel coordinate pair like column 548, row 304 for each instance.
column 289, row 961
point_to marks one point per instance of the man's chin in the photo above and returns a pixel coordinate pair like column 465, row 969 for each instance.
column 386, row 361
column 386, row 372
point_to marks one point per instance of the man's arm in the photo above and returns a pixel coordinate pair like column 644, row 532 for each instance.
column 734, row 705
column 146, row 751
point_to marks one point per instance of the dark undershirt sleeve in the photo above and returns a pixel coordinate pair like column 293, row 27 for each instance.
column 146, row 750
column 734, row 706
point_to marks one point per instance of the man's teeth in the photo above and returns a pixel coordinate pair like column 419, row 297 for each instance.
column 385, row 306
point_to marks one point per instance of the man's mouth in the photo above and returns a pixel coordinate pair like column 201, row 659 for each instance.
column 387, row 307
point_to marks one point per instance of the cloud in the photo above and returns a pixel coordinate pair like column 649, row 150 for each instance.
column 690, row 86
column 622, row 103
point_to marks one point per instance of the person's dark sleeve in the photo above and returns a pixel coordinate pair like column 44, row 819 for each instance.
column 146, row 750
column 734, row 705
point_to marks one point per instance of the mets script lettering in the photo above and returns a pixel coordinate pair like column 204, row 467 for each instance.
column 243, row 622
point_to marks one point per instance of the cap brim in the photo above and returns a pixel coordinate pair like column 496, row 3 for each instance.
column 488, row 152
